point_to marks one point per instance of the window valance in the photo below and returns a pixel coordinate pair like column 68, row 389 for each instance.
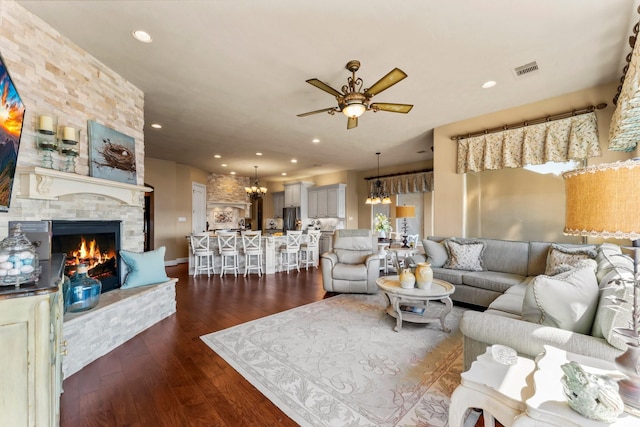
column 418, row 182
column 625, row 122
column 554, row 141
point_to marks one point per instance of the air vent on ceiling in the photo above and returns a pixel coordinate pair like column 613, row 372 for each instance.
column 526, row 69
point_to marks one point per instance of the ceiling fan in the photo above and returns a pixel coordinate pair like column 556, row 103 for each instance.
column 353, row 102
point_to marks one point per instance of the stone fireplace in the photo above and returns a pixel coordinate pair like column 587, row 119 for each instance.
column 94, row 243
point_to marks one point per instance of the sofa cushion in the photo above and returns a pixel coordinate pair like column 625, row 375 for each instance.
column 436, row 252
column 521, row 288
column 562, row 258
column 491, row 280
column 567, row 300
column 464, row 254
column 508, row 303
column 452, row 276
column 538, row 252
column 349, row 271
column 506, row 256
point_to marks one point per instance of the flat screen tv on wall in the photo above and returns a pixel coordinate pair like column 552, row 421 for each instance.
column 11, row 120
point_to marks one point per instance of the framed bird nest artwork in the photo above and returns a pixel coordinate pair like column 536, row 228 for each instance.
column 112, row 154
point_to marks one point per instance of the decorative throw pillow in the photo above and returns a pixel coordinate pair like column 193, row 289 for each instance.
column 144, row 268
column 464, row 254
column 567, row 300
column 435, row 252
column 562, row 258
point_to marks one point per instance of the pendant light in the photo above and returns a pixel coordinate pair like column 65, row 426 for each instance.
column 378, row 195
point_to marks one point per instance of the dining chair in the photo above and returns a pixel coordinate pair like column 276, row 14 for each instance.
column 228, row 252
column 203, row 254
column 309, row 249
column 290, row 250
column 252, row 248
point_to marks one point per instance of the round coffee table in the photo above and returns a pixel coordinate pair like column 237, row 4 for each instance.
column 417, row 300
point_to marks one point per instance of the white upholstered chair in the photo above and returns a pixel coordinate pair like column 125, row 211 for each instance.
column 252, row 248
column 353, row 265
column 203, row 255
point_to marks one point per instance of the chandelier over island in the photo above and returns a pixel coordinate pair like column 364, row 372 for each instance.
column 256, row 191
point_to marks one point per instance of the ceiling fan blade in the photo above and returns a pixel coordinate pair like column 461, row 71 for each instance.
column 352, row 122
column 393, row 77
column 325, row 87
column 394, row 108
column 324, row 110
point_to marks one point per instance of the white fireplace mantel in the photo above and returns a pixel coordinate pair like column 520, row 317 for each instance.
column 48, row 184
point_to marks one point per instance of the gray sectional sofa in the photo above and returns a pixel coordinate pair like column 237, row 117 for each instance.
column 526, row 308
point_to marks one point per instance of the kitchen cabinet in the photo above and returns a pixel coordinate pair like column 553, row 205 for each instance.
column 31, row 359
column 327, row 201
column 296, row 196
column 278, row 204
column 336, row 196
column 313, row 202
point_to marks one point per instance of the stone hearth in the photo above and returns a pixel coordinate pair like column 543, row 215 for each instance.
column 120, row 315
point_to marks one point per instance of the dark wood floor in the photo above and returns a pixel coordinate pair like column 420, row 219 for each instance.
column 166, row 376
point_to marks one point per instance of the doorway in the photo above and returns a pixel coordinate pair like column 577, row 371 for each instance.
column 199, row 208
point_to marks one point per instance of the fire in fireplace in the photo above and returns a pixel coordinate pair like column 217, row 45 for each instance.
column 94, row 243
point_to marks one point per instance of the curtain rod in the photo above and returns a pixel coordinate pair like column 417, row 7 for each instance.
column 539, row 120
column 398, row 174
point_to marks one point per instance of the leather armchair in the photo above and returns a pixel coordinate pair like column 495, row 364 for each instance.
column 353, row 265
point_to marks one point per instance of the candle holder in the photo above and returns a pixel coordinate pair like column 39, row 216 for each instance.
column 46, row 139
column 69, row 148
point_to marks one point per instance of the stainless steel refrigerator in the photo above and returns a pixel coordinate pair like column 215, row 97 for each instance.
column 289, row 218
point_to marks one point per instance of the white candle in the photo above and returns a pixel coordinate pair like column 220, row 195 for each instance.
column 69, row 134
column 46, row 123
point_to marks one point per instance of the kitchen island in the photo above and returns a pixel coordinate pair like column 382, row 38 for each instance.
column 270, row 246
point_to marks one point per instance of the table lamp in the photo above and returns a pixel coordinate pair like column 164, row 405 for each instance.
column 405, row 212
column 604, row 201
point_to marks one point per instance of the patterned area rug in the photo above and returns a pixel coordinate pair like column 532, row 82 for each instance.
column 338, row 362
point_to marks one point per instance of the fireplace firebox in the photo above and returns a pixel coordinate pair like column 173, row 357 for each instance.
column 95, row 243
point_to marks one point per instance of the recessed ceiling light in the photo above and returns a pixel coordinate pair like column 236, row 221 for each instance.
column 232, row 173
column 258, row 154
column 224, row 165
column 217, row 156
column 294, row 161
column 315, row 140
column 142, row 36
column 284, row 174
column 488, row 84
column 156, row 125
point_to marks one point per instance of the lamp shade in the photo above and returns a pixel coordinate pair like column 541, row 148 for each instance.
column 405, row 211
column 604, row 201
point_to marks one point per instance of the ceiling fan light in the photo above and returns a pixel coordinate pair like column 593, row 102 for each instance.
column 354, row 110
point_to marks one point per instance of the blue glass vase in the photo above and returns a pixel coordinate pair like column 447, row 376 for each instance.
column 83, row 292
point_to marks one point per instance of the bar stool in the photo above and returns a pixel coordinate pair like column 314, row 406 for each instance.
column 289, row 251
column 309, row 250
column 252, row 248
column 202, row 253
column 228, row 252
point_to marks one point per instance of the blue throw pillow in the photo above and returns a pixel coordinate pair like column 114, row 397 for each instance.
column 144, row 268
